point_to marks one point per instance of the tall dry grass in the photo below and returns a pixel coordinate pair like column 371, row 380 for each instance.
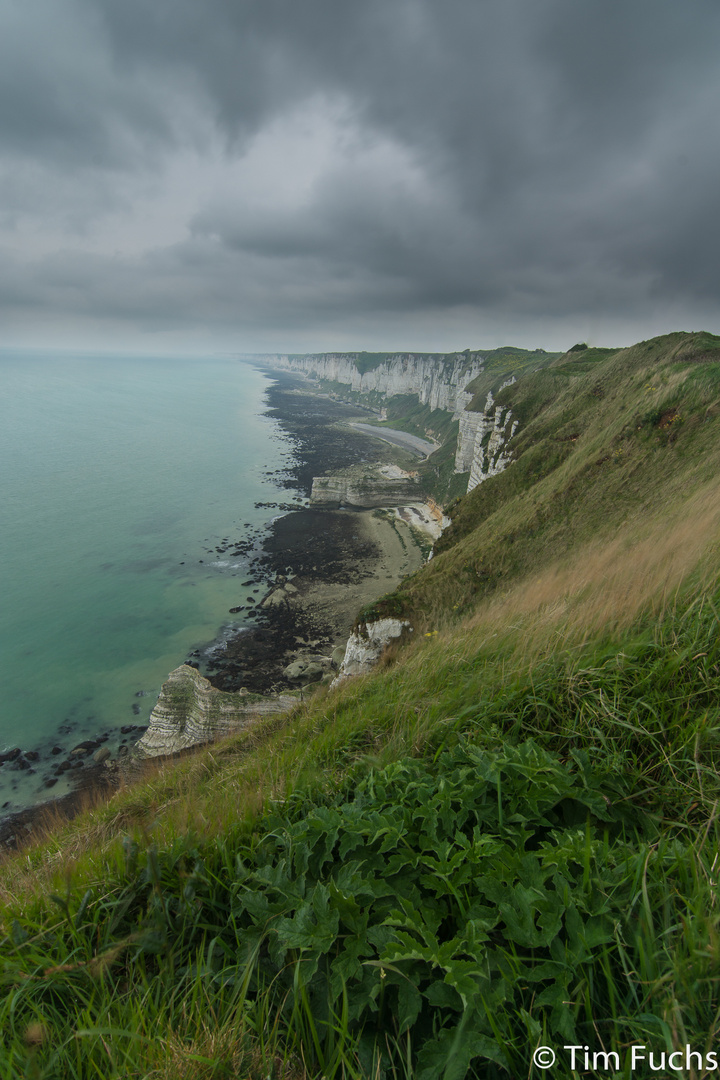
column 606, row 586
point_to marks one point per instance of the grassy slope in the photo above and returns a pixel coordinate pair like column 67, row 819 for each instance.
column 551, row 850
column 602, row 443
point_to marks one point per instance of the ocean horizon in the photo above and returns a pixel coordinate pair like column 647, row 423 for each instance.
column 130, row 489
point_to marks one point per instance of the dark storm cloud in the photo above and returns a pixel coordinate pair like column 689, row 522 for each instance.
column 60, row 98
column 511, row 159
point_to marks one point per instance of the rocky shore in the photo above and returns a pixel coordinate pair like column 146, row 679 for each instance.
column 315, row 570
column 319, row 567
column 323, row 566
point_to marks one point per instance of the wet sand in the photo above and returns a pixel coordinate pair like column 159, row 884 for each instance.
column 422, row 448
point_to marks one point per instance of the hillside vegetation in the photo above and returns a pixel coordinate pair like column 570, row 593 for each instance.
column 505, row 837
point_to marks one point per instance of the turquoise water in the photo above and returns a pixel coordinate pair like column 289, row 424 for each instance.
column 114, row 471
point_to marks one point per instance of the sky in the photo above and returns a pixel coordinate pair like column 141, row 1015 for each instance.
column 239, row 176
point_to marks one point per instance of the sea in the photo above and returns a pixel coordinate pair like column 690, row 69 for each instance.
column 128, row 485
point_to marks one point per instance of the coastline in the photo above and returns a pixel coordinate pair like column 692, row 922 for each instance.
column 334, row 562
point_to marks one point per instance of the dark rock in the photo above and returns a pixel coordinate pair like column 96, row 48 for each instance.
column 126, row 729
column 50, row 782
column 56, row 750
column 32, row 755
column 86, row 744
column 11, row 755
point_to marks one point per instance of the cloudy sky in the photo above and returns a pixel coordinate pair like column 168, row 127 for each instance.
column 262, row 175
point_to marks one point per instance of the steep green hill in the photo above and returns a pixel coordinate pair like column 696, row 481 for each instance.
column 506, row 837
column 607, row 439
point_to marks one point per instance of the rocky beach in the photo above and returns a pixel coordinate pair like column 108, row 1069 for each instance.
column 317, row 567
column 312, row 573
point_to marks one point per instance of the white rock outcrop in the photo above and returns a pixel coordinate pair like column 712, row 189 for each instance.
column 190, row 712
column 482, row 440
column 365, row 487
column 366, row 644
column 427, row 517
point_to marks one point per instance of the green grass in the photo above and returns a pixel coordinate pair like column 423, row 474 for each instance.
column 405, row 412
column 529, row 860
column 438, row 473
column 455, row 907
column 506, row 836
column 628, row 442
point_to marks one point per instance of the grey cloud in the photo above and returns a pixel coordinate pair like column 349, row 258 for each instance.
column 551, row 159
column 61, row 98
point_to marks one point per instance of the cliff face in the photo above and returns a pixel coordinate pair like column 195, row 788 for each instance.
column 482, row 440
column 189, row 712
column 366, row 487
column 437, row 383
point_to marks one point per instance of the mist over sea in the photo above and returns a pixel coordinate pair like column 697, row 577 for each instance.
column 119, row 477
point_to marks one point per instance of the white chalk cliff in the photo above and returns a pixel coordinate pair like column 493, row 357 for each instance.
column 190, row 712
column 366, row 486
column 439, row 384
column 482, row 447
column 482, row 440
